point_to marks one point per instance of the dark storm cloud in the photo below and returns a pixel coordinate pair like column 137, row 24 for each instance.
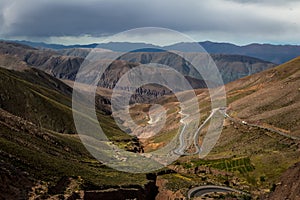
column 45, row 18
column 53, row 18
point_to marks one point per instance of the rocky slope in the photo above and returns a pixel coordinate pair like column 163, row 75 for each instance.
column 271, row 97
column 288, row 186
column 231, row 67
column 66, row 66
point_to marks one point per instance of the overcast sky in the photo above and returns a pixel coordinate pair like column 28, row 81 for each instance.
column 88, row 21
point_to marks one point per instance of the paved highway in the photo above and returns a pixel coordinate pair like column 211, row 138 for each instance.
column 203, row 190
column 182, row 142
column 258, row 126
column 207, row 189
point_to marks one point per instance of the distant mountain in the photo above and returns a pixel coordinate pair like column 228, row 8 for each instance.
column 46, row 60
column 66, row 66
column 78, row 52
column 113, row 46
column 231, row 67
column 128, row 46
column 53, row 46
column 273, row 53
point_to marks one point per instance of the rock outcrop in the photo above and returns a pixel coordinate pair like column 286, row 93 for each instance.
column 289, row 185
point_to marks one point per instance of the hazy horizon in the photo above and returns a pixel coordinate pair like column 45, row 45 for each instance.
column 168, row 44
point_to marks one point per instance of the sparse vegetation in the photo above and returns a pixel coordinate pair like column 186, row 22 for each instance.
column 39, row 143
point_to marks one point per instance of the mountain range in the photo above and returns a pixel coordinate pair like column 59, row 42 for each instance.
column 64, row 64
column 42, row 157
column 277, row 54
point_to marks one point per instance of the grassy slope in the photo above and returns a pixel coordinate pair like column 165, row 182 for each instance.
column 271, row 97
column 39, row 148
column 45, row 101
column 36, row 99
column 56, row 155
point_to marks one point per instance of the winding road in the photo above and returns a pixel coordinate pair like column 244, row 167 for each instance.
column 183, row 145
column 207, row 189
column 258, row 126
